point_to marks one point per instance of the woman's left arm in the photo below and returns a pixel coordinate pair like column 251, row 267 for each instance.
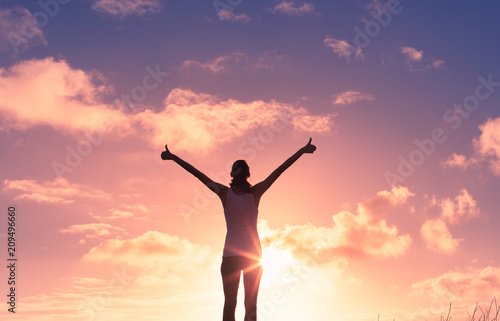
column 263, row 186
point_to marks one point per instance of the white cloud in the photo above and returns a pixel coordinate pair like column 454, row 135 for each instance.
column 230, row 16
column 57, row 191
column 18, row 30
column 349, row 97
column 343, row 49
column 293, row 8
column 124, row 8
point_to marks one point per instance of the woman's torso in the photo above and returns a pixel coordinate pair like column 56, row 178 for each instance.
column 241, row 213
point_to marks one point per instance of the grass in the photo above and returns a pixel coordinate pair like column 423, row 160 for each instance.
column 479, row 314
column 482, row 315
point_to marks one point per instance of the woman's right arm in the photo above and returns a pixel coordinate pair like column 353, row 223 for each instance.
column 215, row 187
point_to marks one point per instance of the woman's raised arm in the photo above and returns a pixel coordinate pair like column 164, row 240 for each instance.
column 213, row 186
column 262, row 187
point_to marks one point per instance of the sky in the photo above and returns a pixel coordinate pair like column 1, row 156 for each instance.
column 394, row 217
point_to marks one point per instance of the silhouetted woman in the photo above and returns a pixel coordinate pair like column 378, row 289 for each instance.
column 242, row 250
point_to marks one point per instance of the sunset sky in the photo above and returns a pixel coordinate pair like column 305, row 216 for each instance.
column 396, row 213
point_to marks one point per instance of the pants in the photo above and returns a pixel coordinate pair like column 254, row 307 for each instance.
column 231, row 268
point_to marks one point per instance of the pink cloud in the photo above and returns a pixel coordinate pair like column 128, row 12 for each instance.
column 230, row 16
column 486, row 149
column 198, row 122
column 160, row 258
column 460, row 210
column 487, row 145
column 412, row 53
column 94, row 230
column 70, row 100
column 416, row 60
column 58, row 190
column 459, row 161
column 466, row 286
column 18, row 31
column 342, row 48
column 124, row 8
column 50, row 92
column 291, row 8
column 218, row 64
column 437, row 237
column 351, row 235
column 349, row 97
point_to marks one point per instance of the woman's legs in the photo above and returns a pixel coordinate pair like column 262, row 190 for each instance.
column 251, row 280
column 231, row 268
column 230, row 271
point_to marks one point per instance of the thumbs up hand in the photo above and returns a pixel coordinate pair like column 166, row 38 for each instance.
column 166, row 154
column 309, row 148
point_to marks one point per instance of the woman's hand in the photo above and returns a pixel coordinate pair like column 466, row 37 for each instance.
column 309, row 148
column 166, row 154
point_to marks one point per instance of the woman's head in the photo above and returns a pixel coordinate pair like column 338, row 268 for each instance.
column 240, row 169
column 240, row 172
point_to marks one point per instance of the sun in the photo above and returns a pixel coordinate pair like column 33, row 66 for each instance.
column 277, row 264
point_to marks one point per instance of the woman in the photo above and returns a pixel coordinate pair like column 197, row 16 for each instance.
column 242, row 249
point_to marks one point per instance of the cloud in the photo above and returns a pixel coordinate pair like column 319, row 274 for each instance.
column 412, row 53
column 135, row 211
column 124, row 8
column 217, row 65
column 487, row 145
column 469, row 285
column 416, row 61
column 159, row 257
column 343, row 49
column 365, row 233
column 437, row 237
column 292, row 8
column 486, row 149
column 198, row 122
column 230, row 16
column 18, row 30
column 58, row 191
column 349, row 97
column 459, row 161
column 460, row 210
column 94, row 230
column 269, row 60
column 50, row 92
column 435, row 232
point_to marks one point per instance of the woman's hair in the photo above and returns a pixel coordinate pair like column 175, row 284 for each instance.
column 240, row 172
